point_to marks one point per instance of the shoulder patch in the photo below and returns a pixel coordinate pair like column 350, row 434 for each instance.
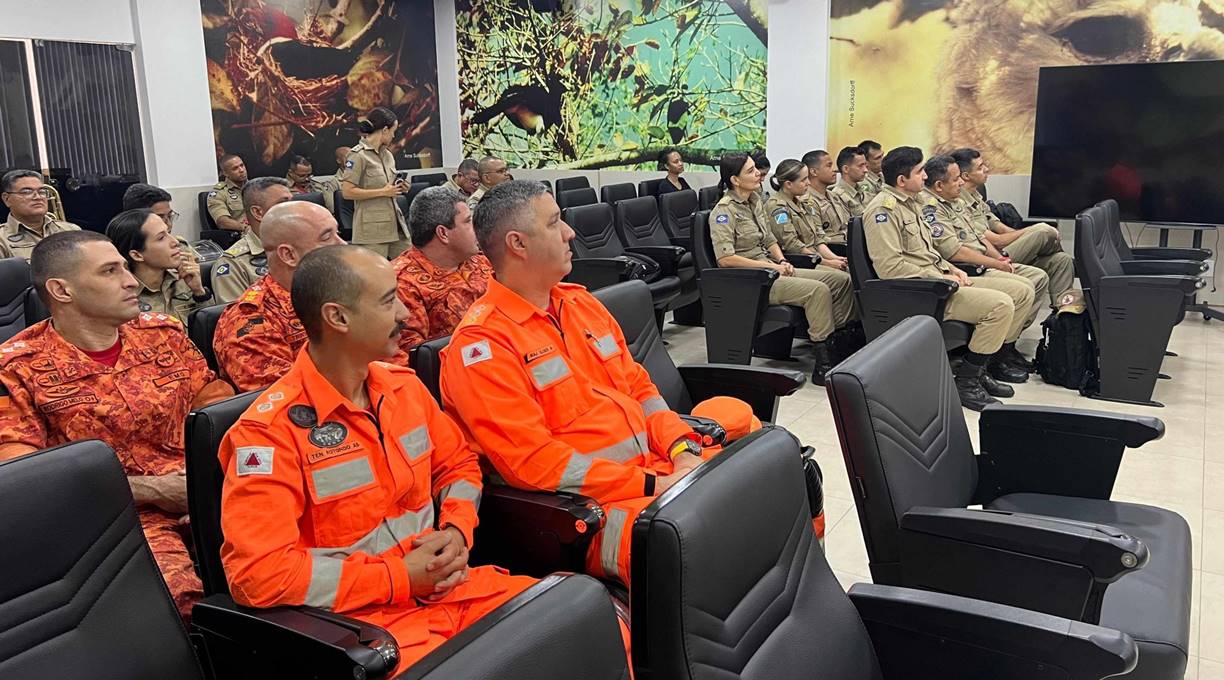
column 476, row 353
column 781, row 217
column 348, row 165
column 222, row 270
column 936, row 230
column 254, row 460
column 881, row 217
column 153, row 320
column 212, row 194
column 722, row 218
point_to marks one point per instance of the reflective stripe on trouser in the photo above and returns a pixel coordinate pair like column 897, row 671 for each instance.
column 1039, row 246
column 168, row 541
column 327, row 563
column 608, row 554
column 574, row 475
column 990, row 313
column 1018, row 289
column 806, row 290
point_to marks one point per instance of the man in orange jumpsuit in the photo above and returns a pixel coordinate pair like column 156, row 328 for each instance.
column 333, row 475
column 101, row 369
column 539, row 376
column 444, row 272
column 258, row 336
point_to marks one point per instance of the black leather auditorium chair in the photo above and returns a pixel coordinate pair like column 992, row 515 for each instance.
column 19, row 304
column 612, row 193
column 571, row 198
column 568, row 183
column 202, row 326
column 640, row 229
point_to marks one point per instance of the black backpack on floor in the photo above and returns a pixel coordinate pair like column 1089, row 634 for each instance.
column 1067, row 353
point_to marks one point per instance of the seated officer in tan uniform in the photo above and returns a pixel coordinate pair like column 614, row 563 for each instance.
column 953, row 236
column 225, row 199
column 1039, row 245
column 244, row 262
column 466, row 178
column 852, row 165
column 833, row 213
column 169, row 275
column 873, row 181
column 901, row 248
column 492, row 171
column 742, row 237
column 797, row 222
column 25, row 195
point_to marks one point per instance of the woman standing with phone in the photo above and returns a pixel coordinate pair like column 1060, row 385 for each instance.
column 368, row 179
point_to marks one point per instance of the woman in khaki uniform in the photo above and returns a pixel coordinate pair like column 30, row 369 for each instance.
column 741, row 236
column 368, row 179
column 797, row 223
column 168, row 274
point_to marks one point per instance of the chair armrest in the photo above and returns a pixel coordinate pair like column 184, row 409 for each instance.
column 237, row 640
column 1152, row 266
column 759, row 386
column 1154, row 253
column 933, row 635
column 802, row 261
column 1186, row 284
column 600, row 272
column 1055, row 450
column 942, row 289
column 712, row 433
column 1045, row 564
column 762, row 277
column 682, row 242
column 534, row 532
column 668, row 257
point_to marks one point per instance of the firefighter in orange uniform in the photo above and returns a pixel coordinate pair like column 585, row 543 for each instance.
column 258, row 336
column 539, row 376
column 346, row 487
column 101, row 369
column 444, row 272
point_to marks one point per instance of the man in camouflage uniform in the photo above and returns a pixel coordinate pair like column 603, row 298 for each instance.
column 101, row 369
column 901, row 248
column 245, row 261
column 853, row 168
column 26, row 197
column 225, row 199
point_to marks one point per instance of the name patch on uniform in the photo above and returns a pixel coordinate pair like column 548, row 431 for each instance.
column 53, row 406
column 536, row 354
column 326, row 454
column 255, row 460
column 476, row 353
column 881, row 217
column 170, row 377
column 722, row 219
column 782, row 218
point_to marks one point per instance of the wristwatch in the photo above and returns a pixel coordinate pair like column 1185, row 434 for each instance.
column 684, row 445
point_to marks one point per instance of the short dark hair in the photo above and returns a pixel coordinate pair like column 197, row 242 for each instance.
column 937, row 169
column 379, row 118
column 468, row 165
column 143, row 196
column 10, row 178
column 964, row 157
column 900, row 161
column 126, row 232
column 869, row 145
column 846, row 156
column 227, row 158
column 324, row 275
column 431, row 207
column 253, row 190
column 761, row 160
column 812, row 158
column 501, row 210
column 665, row 154
column 300, row 160
column 53, row 258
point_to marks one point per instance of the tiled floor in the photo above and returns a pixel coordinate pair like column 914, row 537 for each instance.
column 1183, row 471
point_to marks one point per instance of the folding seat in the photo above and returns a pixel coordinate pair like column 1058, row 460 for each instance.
column 641, row 231
column 568, row 183
column 563, row 627
column 676, row 211
column 708, row 196
column 209, row 231
column 405, row 200
column 611, row 193
column 1047, row 538
column 883, row 303
column 739, row 321
column 570, row 198
column 729, row 583
column 15, row 293
column 649, row 187
column 202, row 326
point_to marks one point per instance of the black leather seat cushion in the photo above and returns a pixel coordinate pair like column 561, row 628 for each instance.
column 956, row 333
column 1151, row 604
column 664, row 290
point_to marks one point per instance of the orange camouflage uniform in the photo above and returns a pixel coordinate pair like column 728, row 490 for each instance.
column 436, row 299
column 51, row 393
column 259, row 336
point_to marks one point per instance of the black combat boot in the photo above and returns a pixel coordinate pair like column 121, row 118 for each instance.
column 823, row 354
column 1013, row 356
column 1000, row 369
column 969, row 383
column 995, row 388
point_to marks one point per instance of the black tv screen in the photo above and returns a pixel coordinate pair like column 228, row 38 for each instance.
column 1150, row 136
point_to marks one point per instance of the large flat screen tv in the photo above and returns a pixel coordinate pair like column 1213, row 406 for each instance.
column 1150, row 136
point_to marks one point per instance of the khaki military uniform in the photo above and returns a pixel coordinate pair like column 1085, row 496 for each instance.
column 174, row 298
column 1038, row 246
column 740, row 227
column 476, row 196
column 450, row 184
column 901, row 248
column 871, row 185
column 18, row 240
column 834, row 214
column 225, row 200
column 851, row 196
column 326, row 186
column 950, row 231
column 238, row 267
column 378, row 223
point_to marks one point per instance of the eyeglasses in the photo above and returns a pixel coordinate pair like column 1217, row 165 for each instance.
column 29, row 193
column 169, row 217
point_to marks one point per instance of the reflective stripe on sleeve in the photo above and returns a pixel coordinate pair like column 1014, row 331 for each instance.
column 324, row 581
column 574, row 476
column 653, row 405
column 463, row 490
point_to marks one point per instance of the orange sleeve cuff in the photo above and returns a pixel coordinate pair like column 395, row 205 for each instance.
column 401, row 585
